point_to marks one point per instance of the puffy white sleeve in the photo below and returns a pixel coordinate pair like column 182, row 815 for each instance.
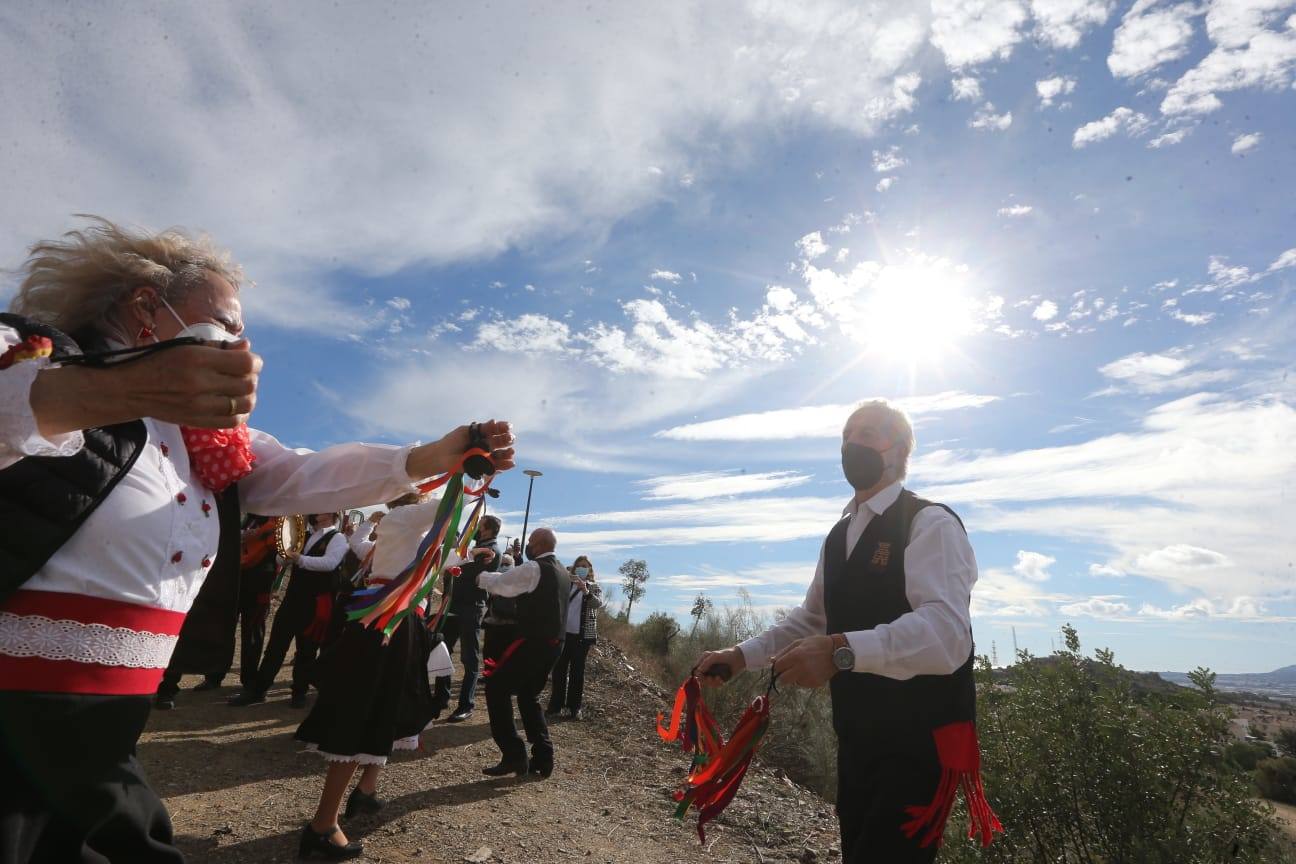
column 19, row 436
column 285, row 480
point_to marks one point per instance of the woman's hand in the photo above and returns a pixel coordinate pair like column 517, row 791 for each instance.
column 428, row 460
column 210, row 386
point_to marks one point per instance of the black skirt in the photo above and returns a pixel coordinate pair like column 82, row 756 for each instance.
column 373, row 698
column 71, row 789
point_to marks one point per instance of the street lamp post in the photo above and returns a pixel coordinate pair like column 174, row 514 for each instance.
column 532, row 473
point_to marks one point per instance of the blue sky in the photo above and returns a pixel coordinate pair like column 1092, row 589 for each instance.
column 673, row 243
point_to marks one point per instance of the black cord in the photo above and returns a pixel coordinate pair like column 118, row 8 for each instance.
column 122, row 355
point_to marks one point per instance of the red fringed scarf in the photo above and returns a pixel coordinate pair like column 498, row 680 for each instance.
column 219, row 456
column 718, row 768
column 960, row 759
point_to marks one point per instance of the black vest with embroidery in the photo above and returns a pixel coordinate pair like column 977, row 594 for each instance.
column 542, row 612
column 310, row 583
column 863, row 591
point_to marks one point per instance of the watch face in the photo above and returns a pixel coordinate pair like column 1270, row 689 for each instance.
column 844, row 659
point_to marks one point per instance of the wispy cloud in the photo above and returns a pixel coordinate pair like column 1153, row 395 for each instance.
column 811, row 421
column 1050, row 89
column 717, row 484
column 1121, row 120
column 1245, row 143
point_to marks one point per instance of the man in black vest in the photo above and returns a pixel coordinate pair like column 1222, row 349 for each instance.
column 467, row 608
column 886, row 623
column 305, row 613
column 540, row 587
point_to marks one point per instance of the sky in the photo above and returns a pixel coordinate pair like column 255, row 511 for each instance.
column 674, row 243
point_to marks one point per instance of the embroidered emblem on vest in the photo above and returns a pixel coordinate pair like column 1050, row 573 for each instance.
column 881, row 555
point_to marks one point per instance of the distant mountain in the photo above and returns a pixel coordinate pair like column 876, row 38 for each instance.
column 1280, row 682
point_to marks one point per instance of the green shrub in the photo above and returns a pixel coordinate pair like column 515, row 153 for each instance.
column 1244, row 755
column 656, row 632
column 1276, row 779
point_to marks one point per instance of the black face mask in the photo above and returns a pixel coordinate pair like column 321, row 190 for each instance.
column 863, row 466
column 530, row 556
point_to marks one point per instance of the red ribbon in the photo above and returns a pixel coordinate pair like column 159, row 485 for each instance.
column 960, row 758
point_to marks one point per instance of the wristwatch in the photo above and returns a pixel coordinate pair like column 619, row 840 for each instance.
column 843, row 656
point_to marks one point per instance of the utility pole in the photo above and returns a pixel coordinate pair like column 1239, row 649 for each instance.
column 1016, row 651
column 532, row 473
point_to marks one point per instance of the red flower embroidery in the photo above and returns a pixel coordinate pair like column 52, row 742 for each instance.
column 181, row 497
column 175, row 559
column 206, row 562
column 32, row 348
column 206, row 508
column 166, row 451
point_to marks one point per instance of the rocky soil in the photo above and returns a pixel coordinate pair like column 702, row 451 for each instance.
column 239, row 789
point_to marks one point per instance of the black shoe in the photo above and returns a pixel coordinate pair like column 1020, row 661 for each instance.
column 164, row 703
column 519, row 768
column 318, row 844
column 246, row 698
column 541, row 769
column 361, row 802
column 208, row 684
column 576, row 714
column 460, row 716
column 298, row 700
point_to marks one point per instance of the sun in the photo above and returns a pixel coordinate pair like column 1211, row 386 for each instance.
column 920, row 308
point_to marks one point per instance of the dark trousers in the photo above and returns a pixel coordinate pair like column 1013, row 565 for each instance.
column 252, row 632
column 874, row 786
column 293, row 617
column 73, row 789
column 569, row 674
column 523, row 674
column 463, row 627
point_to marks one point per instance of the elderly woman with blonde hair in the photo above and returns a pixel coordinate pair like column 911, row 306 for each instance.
column 124, row 461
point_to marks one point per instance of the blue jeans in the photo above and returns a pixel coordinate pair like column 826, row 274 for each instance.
column 463, row 626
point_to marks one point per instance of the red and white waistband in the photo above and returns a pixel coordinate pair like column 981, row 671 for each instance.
column 53, row 642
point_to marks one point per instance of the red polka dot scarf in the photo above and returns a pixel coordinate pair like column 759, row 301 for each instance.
column 220, row 456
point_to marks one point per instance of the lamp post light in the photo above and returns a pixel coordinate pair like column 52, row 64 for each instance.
column 532, row 473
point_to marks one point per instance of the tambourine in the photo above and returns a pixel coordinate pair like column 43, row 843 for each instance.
column 290, row 534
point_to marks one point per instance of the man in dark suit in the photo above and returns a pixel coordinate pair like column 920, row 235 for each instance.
column 467, row 608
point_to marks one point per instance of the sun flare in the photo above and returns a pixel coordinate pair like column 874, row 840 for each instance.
column 921, row 307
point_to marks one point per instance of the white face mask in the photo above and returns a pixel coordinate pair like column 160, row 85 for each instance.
column 582, row 572
column 205, row 331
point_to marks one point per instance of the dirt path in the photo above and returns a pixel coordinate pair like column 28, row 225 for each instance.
column 239, row 789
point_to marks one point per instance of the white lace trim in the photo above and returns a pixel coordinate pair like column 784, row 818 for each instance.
column 64, row 639
column 358, row 758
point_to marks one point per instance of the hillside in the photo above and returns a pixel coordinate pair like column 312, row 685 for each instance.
column 239, row 789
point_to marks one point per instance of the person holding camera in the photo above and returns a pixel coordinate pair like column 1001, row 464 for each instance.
column 583, row 602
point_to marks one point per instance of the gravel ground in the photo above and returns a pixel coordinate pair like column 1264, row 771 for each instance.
column 239, row 789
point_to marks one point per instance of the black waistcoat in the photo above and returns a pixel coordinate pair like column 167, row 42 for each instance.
column 868, row 589
column 465, row 594
column 45, row 499
column 542, row 612
column 305, row 584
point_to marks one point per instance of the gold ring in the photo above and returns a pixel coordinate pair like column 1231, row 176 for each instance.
column 233, row 406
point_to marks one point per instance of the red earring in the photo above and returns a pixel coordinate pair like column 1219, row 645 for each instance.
column 145, row 333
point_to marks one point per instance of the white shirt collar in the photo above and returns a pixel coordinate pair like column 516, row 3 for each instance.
column 878, row 503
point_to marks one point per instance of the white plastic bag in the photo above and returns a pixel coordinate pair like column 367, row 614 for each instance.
column 439, row 663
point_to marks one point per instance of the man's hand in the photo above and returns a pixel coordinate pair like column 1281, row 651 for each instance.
column 482, row 552
column 806, row 662
column 732, row 657
column 428, row 460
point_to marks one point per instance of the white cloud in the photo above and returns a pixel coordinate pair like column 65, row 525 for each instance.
column 1192, row 498
column 985, row 118
column 1045, row 311
column 1248, row 53
column 526, row 333
column 1150, row 37
column 1193, row 319
column 1122, row 119
column 885, row 183
column 812, row 421
column 1105, row 570
column 665, row 276
column 1033, row 565
column 400, row 303
column 966, row 89
column 1016, row 210
column 1109, row 606
column 792, row 575
column 1169, row 138
column 1061, row 23
column 811, row 246
column 1283, row 261
column 335, row 122
column 1158, row 373
column 1245, row 143
column 974, row 31
column 1049, row 89
column 1234, row 609
column 717, row 484
column 889, row 160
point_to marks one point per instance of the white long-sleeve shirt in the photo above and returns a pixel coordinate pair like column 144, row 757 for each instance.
column 334, row 551
column 151, row 541
column 522, row 579
column 940, row 570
